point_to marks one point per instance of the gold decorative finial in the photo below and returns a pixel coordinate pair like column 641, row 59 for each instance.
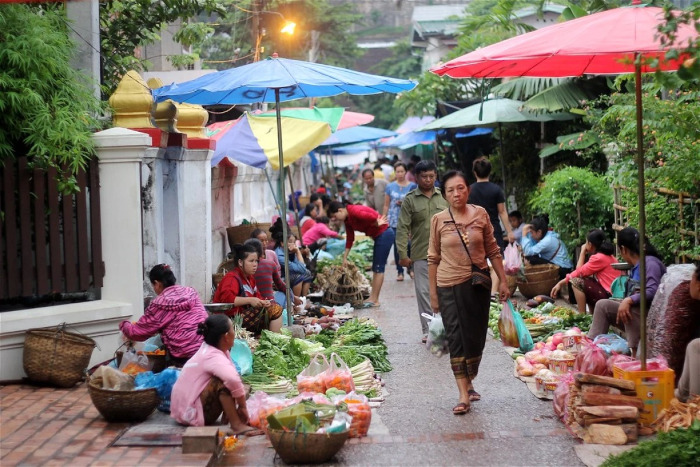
column 155, row 83
column 191, row 120
column 132, row 103
column 166, row 115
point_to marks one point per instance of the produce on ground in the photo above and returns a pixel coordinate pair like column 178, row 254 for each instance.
column 678, row 448
column 356, row 340
column 679, row 415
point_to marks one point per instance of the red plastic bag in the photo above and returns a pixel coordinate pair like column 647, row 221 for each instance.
column 339, row 375
column 592, row 360
column 313, row 377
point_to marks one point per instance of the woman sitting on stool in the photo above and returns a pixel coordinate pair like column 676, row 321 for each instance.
column 209, row 383
column 542, row 246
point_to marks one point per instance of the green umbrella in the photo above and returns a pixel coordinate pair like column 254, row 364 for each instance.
column 330, row 115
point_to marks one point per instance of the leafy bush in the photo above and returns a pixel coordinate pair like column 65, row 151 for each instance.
column 576, row 200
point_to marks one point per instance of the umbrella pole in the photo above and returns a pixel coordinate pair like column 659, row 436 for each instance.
column 642, row 214
column 294, row 203
column 283, row 197
column 503, row 163
column 269, row 182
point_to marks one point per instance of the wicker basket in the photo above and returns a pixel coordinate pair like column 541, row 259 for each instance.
column 306, row 448
column 345, row 291
column 512, row 283
column 531, row 289
column 123, row 406
column 55, row 356
column 541, row 272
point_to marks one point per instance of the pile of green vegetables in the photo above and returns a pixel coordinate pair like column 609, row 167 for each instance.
column 282, row 355
column 680, row 448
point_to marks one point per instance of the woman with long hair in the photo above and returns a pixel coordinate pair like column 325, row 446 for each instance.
column 394, row 194
column 461, row 239
column 239, row 287
column 300, row 278
column 591, row 280
column 174, row 313
column 625, row 314
column 209, row 384
column 268, row 274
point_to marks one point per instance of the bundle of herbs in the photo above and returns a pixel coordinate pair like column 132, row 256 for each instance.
column 356, row 340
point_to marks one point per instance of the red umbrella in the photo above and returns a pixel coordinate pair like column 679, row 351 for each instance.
column 616, row 41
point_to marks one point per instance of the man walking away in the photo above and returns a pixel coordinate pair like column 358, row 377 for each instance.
column 418, row 207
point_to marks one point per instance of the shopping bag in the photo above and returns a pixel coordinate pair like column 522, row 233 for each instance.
column 339, row 375
column 512, row 261
column 133, row 362
column 525, row 342
column 313, row 377
column 437, row 338
column 506, row 327
column 242, row 357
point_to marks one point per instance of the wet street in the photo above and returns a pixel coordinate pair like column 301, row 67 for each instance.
column 415, row 424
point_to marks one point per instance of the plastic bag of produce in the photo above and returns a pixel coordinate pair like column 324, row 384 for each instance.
column 134, row 363
column 525, row 341
column 242, row 357
column 437, row 338
column 612, row 343
column 358, row 408
column 507, row 328
column 512, row 261
column 593, row 360
column 617, row 359
column 313, row 377
column 254, row 404
column 561, row 398
column 339, row 375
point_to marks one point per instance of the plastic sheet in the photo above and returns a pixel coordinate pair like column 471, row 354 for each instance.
column 242, row 357
column 612, row 343
column 437, row 338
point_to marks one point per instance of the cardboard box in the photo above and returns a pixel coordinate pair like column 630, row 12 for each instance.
column 200, row 439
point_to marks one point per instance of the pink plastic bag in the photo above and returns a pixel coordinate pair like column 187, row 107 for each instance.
column 561, row 397
column 512, row 261
column 655, row 364
column 592, row 360
column 617, row 359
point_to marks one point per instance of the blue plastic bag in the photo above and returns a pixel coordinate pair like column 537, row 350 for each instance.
column 524, row 337
column 163, row 382
column 242, row 357
column 612, row 343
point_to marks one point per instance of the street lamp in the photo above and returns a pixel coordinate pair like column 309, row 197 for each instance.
column 287, row 28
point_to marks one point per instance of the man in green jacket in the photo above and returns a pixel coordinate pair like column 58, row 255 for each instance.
column 419, row 206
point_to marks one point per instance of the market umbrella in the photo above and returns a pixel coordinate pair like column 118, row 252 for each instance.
column 252, row 140
column 493, row 112
column 337, row 117
column 275, row 80
column 354, row 135
column 622, row 40
column 410, row 139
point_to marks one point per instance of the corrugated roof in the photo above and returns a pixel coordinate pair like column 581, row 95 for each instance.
column 437, row 12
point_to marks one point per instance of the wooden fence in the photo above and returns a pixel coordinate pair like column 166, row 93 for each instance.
column 50, row 243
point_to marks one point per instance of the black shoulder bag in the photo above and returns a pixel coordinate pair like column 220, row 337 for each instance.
column 481, row 277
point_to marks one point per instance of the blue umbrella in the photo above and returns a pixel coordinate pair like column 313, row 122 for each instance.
column 410, row 139
column 276, row 80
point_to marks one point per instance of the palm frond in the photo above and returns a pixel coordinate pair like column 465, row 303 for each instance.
column 567, row 95
column 524, row 88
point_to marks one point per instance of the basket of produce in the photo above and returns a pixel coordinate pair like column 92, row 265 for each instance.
column 540, row 272
column 345, row 290
column 530, row 289
column 55, row 356
column 241, row 233
column 122, row 406
column 512, row 282
column 306, row 448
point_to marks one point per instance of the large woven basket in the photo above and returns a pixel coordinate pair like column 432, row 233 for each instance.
column 512, row 283
column 541, row 272
column 123, row 406
column 345, row 291
column 532, row 289
column 55, row 356
column 306, row 448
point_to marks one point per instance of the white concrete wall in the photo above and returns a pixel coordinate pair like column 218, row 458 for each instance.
column 120, row 152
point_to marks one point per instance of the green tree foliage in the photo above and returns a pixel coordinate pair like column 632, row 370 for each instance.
column 126, row 25
column 690, row 70
column 576, row 200
column 47, row 109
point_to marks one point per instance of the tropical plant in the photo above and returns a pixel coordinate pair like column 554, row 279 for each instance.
column 47, row 109
column 576, row 200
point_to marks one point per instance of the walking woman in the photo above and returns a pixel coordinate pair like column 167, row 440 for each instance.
column 174, row 313
column 461, row 239
column 368, row 221
column 209, row 383
column 625, row 314
column 394, row 194
column 591, row 280
column 239, row 287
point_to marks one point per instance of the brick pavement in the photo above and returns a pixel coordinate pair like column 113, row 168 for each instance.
column 42, row 426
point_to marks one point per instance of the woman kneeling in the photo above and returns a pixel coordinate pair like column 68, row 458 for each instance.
column 209, row 383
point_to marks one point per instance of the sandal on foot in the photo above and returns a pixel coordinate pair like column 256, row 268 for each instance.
column 411, row 274
column 424, row 339
column 473, row 395
column 399, row 278
column 461, row 408
column 370, row 305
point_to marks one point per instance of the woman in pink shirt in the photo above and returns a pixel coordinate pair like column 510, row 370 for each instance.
column 368, row 221
column 209, row 383
column 174, row 313
column 318, row 231
column 591, row 280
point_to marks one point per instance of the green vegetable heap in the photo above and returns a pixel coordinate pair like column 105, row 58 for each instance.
column 679, row 448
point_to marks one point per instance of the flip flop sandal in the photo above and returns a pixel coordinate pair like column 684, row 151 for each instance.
column 370, row 305
column 473, row 395
column 399, row 278
column 461, row 409
column 424, row 339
